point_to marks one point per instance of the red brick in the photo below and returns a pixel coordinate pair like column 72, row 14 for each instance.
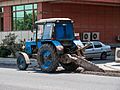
column 7, row 18
column 89, row 18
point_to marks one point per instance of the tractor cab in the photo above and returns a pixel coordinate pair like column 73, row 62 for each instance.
column 55, row 28
column 56, row 31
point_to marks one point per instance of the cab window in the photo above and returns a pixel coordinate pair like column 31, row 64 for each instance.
column 48, row 30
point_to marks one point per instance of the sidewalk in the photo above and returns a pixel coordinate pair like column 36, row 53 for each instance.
column 104, row 64
column 8, row 61
column 13, row 62
column 111, row 66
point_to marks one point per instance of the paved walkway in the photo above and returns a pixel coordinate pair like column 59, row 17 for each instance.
column 104, row 64
column 8, row 61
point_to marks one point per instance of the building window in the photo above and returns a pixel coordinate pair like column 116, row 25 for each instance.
column 1, row 19
column 1, row 10
column 24, row 16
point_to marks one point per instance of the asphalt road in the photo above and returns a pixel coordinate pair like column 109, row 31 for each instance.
column 12, row 79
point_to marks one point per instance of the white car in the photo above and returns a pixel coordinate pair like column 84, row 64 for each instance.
column 97, row 50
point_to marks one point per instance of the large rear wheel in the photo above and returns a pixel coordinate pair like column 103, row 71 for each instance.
column 47, row 58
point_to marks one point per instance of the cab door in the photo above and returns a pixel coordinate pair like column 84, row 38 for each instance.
column 59, row 32
column 64, row 31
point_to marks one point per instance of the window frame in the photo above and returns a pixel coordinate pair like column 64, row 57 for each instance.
column 47, row 28
column 15, row 11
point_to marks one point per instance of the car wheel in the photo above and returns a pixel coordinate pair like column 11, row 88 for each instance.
column 104, row 56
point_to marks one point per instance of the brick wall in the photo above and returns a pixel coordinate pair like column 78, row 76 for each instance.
column 108, row 1
column 88, row 18
column 39, row 16
column 7, row 18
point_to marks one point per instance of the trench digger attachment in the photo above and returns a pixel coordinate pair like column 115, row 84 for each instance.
column 79, row 60
column 82, row 62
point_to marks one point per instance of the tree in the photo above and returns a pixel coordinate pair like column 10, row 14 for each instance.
column 26, row 22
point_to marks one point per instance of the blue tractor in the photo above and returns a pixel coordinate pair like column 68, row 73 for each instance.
column 53, row 43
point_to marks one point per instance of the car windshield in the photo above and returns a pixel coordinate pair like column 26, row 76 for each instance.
column 64, row 31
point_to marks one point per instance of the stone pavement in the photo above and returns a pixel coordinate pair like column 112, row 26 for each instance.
column 8, row 61
column 113, row 66
column 104, row 64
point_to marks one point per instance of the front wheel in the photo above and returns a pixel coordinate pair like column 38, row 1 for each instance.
column 47, row 58
column 21, row 63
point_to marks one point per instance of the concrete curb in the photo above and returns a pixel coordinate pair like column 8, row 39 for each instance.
column 111, row 66
column 13, row 62
column 8, row 61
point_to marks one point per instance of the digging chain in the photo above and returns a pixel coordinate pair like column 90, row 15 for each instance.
column 82, row 62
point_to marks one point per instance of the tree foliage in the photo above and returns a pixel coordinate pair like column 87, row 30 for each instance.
column 26, row 22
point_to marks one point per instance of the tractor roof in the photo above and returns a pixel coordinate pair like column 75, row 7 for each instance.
column 51, row 20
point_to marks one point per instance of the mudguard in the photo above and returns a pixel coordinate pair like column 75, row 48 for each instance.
column 25, row 56
column 58, row 46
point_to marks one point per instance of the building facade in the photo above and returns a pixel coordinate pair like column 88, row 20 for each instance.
column 98, row 17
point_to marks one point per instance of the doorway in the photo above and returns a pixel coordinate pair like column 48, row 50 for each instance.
column 2, row 24
column 1, row 19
